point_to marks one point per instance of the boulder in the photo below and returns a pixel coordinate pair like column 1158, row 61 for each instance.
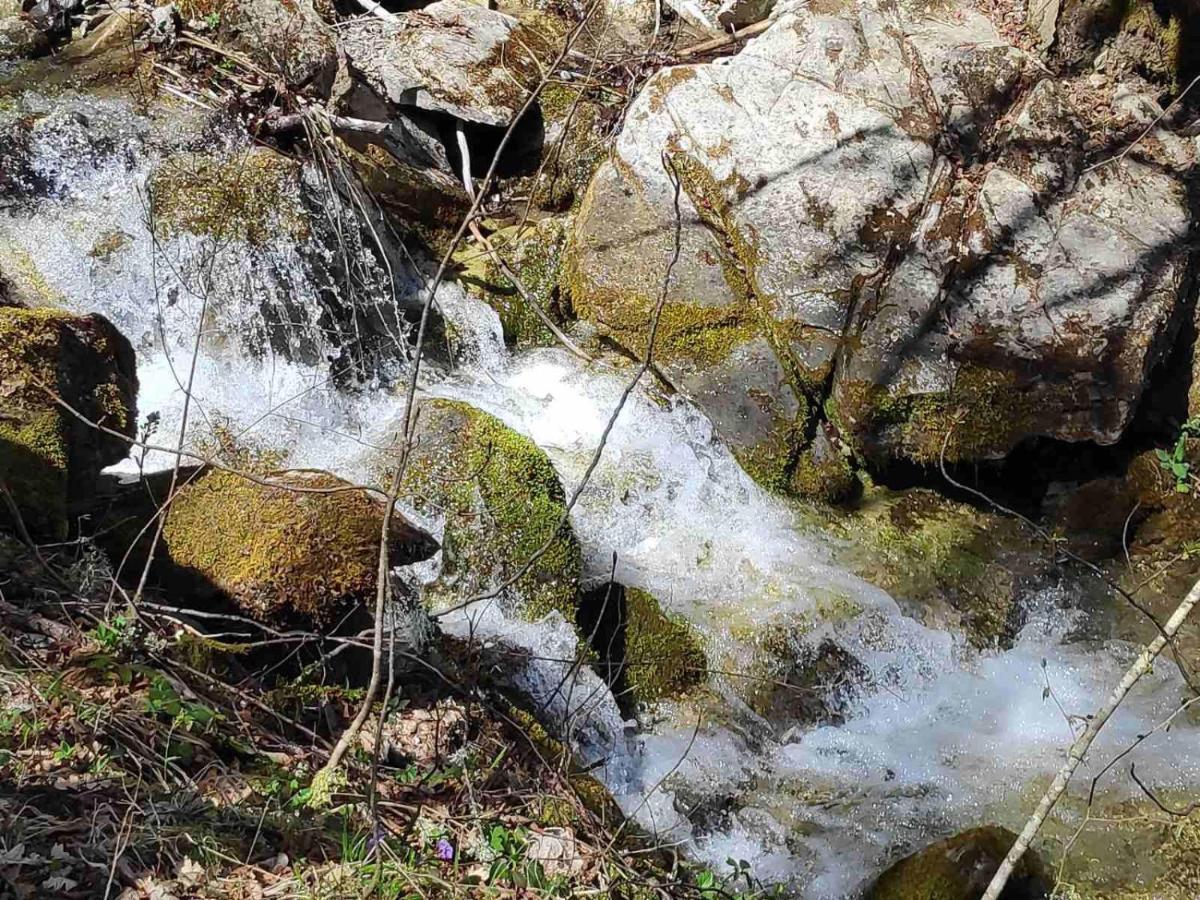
column 645, row 653
column 452, row 56
column 49, row 457
column 948, row 564
column 1151, row 40
column 287, row 38
column 887, row 227
column 959, row 868
column 289, row 547
column 501, row 502
column 21, row 39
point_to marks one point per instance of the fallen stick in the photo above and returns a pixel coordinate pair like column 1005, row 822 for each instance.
column 725, row 40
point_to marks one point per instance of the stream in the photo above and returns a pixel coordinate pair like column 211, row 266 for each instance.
column 936, row 736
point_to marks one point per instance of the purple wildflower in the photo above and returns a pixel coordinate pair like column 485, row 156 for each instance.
column 444, row 850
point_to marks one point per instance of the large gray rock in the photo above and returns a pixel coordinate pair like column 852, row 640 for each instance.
column 453, row 56
column 884, row 224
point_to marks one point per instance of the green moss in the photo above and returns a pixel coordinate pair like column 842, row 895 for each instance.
column 959, row 868
column 33, row 468
column 25, row 279
column 249, row 196
column 829, row 479
column 44, row 451
column 502, row 503
column 534, row 254
column 663, row 654
column 984, row 416
column 277, row 551
column 926, row 549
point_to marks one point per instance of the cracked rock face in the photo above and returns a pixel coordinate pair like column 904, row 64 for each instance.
column 882, row 225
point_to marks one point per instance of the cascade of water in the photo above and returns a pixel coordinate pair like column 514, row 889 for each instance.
column 937, row 737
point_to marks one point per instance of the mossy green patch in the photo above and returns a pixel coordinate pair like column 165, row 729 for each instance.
column 304, row 544
column 959, row 868
column 534, row 254
column 984, row 416
column 46, row 453
column 502, row 503
column 664, row 657
column 250, row 196
column 929, row 550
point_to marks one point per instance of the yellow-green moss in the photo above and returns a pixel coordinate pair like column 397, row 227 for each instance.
column 985, row 416
column 957, row 868
column 33, row 468
column 943, row 555
column 35, row 432
column 534, row 253
column 578, row 147
column 275, row 550
column 502, row 502
column 249, row 196
column 829, row 480
column 25, row 279
column 663, row 654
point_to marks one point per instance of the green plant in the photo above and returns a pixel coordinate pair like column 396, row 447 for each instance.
column 112, row 635
column 162, row 699
column 738, row 884
column 1175, row 461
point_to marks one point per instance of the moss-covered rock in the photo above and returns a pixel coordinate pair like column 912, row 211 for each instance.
column 644, row 653
column 300, row 547
column 576, row 144
column 501, row 501
column 287, row 38
column 953, row 566
column 534, row 254
column 250, row 195
column 959, row 868
column 49, row 457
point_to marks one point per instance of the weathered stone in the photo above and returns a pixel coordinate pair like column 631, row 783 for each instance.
column 959, row 868
column 291, row 546
column 49, row 456
column 453, row 56
column 846, row 252
column 501, row 503
column 21, row 39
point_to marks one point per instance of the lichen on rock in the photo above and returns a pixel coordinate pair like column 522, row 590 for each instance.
column 501, row 502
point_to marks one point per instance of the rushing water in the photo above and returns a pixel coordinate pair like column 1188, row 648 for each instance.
column 938, row 737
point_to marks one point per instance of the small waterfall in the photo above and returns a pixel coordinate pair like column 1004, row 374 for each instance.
column 938, row 736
